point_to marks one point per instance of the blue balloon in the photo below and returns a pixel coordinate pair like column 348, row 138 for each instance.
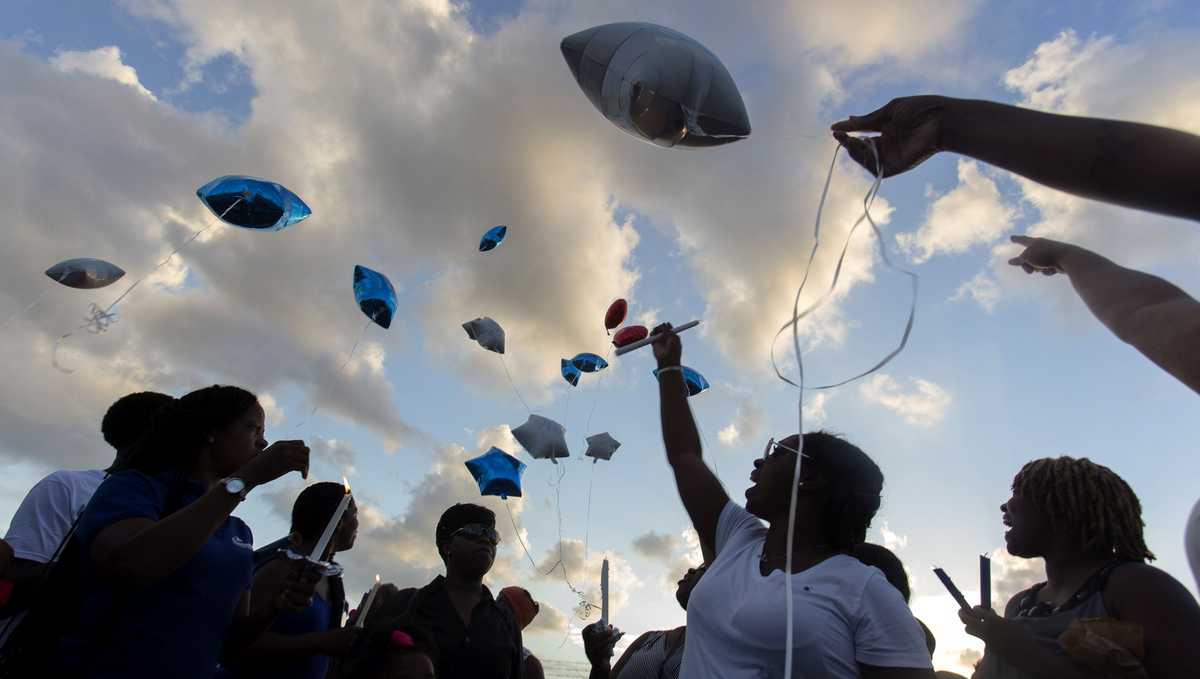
column 497, row 473
column 570, row 373
column 375, row 295
column 492, row 238
column 85, row 273
column 253, row 203
column 695, row 381
column 589, row 363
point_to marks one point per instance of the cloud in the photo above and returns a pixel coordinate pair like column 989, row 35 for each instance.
column 924, row 406
column 982, row 288
column 973, row 213
column 1148, row 76
column 549, row 620
column 337, row 454
column 567, row 563
column 654, row 545
column 747, row 424
column 892, row 540
column 969, row 657
column 1012, row 574
column 102, row 62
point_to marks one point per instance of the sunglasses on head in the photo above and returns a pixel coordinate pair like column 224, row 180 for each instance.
column 478, row 531
column 776, row 448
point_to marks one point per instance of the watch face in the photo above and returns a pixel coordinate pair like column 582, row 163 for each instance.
column 235, row 486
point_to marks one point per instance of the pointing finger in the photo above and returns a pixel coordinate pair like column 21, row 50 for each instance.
column 1023, row 240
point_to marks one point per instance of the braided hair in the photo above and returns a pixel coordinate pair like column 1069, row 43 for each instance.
column 1087, row 501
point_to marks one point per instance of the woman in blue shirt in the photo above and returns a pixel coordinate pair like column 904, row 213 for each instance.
column 165, row 569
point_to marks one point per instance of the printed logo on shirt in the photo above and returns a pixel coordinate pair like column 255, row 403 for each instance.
column 242, row 543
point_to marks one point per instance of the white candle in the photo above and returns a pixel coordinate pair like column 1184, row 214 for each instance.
column 621, row 351
column 604, row 593
column 362, row 615
column 319, row 551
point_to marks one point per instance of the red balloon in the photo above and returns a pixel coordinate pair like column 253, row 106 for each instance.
column 630, row 334
column 616, row 314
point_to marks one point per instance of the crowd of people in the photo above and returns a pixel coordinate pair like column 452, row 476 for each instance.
column 142, row 570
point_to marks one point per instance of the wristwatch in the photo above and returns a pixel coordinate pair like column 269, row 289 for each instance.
column 235, row 486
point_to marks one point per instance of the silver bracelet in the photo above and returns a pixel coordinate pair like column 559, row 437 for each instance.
column 669, row 368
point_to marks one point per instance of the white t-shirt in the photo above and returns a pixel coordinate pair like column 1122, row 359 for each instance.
column 44, row 517
column 845, row 613
column 1191, row 542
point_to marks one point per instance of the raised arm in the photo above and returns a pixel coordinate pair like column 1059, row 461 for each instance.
column 702, row 494
column 143, row 550
column 1153, row 315
column 1131, row 164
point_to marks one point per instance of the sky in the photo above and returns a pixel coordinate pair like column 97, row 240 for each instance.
column 412, row 126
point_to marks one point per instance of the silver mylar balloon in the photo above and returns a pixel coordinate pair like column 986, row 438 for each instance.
column 657, row 84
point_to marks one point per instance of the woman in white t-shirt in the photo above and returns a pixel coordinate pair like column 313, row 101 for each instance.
column 848, row 621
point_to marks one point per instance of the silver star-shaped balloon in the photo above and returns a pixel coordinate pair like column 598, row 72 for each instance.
column 601, row 446
column 544, row 438
column 487, row 332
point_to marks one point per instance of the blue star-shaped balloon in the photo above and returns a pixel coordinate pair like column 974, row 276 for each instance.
column 570, row 373
column 497, row 473
column 253, row 203
column 544, row 438
column 589, row 363
column 493, row 237
column 375, row 295
column 695, row 381
column 85, row 273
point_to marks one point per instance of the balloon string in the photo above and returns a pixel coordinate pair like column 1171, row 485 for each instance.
column 587, row 430
column 587, row 526
column 585, row 607
column 361, row 335
column 98, row 320
column 794, row 324
column 517, row 532
column 514, row 384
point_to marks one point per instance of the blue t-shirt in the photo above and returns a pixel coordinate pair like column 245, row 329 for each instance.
column 315, row 618
column 172, row 628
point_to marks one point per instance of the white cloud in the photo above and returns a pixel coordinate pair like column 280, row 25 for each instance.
column 1148, row 76
column 654, row 545
column 973, row 213
column 814, row 410
column 982, row 288
column 923, row 406
column 102, row 62
column 746, row 425
column 337, row 454
column 891, row 539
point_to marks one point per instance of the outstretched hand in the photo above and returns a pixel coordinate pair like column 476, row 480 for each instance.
column 911, row 130
column 668, row 350
column 1040, row 254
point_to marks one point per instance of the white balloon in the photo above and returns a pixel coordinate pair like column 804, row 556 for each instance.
column 487, row 332
column 544, row 438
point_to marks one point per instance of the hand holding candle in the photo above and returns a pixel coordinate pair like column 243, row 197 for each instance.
column 361, row 619
column 650, row 340
column 318, row 552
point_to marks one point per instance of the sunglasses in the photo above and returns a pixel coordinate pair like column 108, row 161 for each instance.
column 478, row 531
column 776, row 448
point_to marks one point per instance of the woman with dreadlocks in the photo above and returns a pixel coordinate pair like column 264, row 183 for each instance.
column 1086, row 522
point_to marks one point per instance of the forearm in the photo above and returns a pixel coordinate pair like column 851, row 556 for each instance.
column 680, row 436
column 166, row 545
column 1131, row 164
column 1113, row 293
column 600, row 671
column 248, row 630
